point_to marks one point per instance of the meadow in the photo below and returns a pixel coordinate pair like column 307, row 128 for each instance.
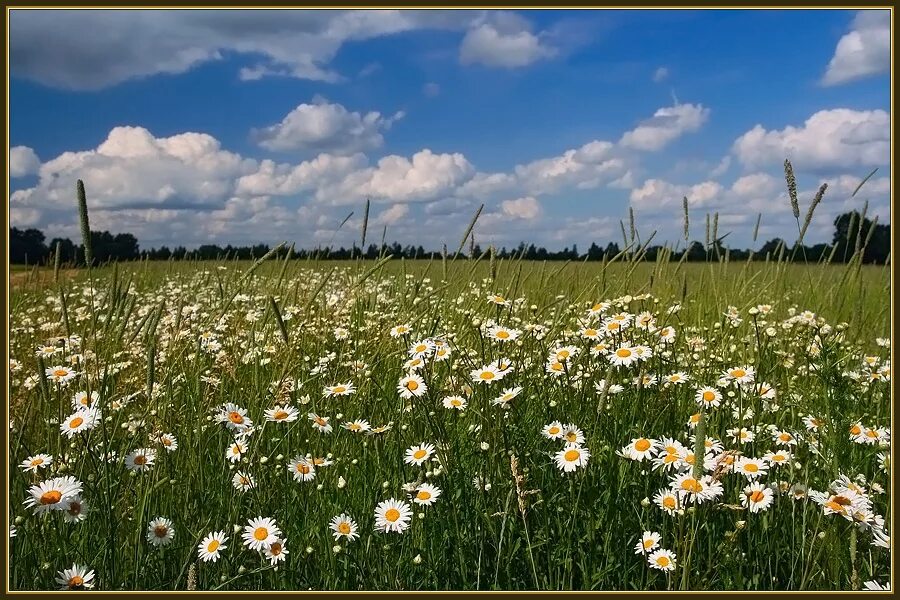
column 451, row 424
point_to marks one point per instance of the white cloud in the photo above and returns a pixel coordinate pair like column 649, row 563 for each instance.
column 660, row 74
column 721, row 168
column 23, row 161
column 655, row 194
column 325, row 127
column 521, row 208
column 590, row 166
column 431, row 89
column 133, row 168
column 667, row 124
column 840, row 138
column 864, row 51
column 503, row 41
column 394, row 214
column 92, row 49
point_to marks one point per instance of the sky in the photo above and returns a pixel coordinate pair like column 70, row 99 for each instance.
column 239, row 126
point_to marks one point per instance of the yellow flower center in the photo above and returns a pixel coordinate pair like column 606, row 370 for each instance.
column 76, row 423
column 51, row 497
column 486, row 375
column 751, row 468
column 339, row 389
column 590, row 332
column 642, row 445
column 648, row 543
column 76, row 581
column 623, row 352
column 60, row 372
column 572, row 455
column 757, row 496
column 303, row 468
column 412, row 385
column 785, row 437
column 662, row 561
column 571, row 436
column 37, row 461
column 738, row 373
column 692, row 485
column 140, row 459
column 421, row 348
column 423, row 495
column 280, row 415
column 275, row 549
column 553, row 430
column 669, row 502
column 502, row 334
column 455, row 402
column 235, row 417
column 344, row 528
column 160, row 531
column 261, row 533
column 212, row 546
column 419, row 454
column 392, row 514
column 708, row 396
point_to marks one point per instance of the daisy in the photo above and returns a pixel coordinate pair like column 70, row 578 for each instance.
column 662, row 559
column 555, row 368
column 77, row 511
column 757, row 497
column 696, row 490
column 457, row 402
column 741, row 435
column 667, row 501
column 399, row 330
column 83, row 400
column 320, row 423
column 506, row 396
column 553, row 431
column 442, row 353
column 60, row 374
column 53, row 494
column 708, row 396
column 640, row 449
column 563, row 353
column 426, row 494
column 486, row 374
column 160, row 532
column 282, row 414
column 344, row 526
column 498, row 300
column 210, row 547
column 589, row 333
column 571, row 457
column 236, row 451
column 259, row 533
column 48, row 351
column 677, row 378
column 597, row 309
column 38, row 461
column 422, row 349
column 302, row 468
column 357, row 426
column 740, row 374
column 75, row 578
column 751, row 468
column 141, row 459
column 666, row 334
column 416, row 455
column 392, row 516
column 234, row 417
column 623, row 356
column 572, row 434
column 413, row 365
column 649, row 542
column 168, row 441
column 784, row 438
column 277, row 551
column 765, row 390
column 80, row 420
column 340, row 389
column 242, row 481
column 411, row 386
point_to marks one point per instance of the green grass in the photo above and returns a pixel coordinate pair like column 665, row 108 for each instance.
column 578, row 530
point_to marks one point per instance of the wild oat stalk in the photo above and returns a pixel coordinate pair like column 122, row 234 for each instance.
column 812, row 208
column 365, row 226
column 792, row 188
column 687, row 226
column 471, row 226
column 85, row 225
column 281, row 327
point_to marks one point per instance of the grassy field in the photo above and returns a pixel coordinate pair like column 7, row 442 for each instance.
column 451, row 425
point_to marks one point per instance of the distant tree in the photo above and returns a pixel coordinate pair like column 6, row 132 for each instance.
column 27, row 246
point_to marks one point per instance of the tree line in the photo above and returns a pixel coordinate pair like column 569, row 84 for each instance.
column 852, row 231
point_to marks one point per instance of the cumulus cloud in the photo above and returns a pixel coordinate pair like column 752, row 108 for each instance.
column 590, row 166
column 864, row 51
column 521, row 208
column 840, row 138
column 667, row 124
column 92, row 49
column 325, row 127
column 504, row 40
column 23, row 161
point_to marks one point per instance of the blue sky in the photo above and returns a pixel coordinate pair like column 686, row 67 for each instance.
column 194, row 127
